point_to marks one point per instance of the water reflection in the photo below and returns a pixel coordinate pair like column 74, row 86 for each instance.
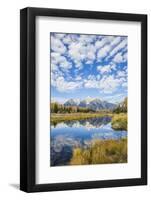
column 70, row 134
column 91, row 122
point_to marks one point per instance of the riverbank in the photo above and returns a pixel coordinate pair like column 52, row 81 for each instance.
column 56, row 118
column 118, row 121
column 101, row 152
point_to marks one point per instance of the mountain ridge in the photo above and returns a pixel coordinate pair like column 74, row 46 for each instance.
column 91, row 103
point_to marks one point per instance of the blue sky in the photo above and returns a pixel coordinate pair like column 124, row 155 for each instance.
column 85, row 65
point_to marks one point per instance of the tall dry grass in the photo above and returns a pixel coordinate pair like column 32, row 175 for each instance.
column 101, row 152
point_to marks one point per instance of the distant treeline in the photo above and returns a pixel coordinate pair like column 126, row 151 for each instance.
column 59, row 108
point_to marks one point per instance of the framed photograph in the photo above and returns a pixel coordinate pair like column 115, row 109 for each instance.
column 83, row 99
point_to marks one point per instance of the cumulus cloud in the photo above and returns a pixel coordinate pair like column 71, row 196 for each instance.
column 63, row 86
column 108, row 83
column 57, row 45
column 120, row 46
column 103, row 52
column 79, row 52
column 120, row 58
column 100, row 43
column 115, row 41
column 78, row 78
column 60, row 35
column 86, row 39
column 106, row 68
column 121, row 73
column 124, row 84
column 91, row 82
column 100, row 56
column 107, row 45
column 58, row 60
column 125, row 56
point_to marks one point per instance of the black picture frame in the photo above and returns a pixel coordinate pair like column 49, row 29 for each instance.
column 28, row 99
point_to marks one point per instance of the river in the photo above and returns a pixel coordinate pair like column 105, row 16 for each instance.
column 71, row 134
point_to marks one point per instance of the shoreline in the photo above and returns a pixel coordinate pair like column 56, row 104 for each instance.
column 57, row 118
column 118, row 121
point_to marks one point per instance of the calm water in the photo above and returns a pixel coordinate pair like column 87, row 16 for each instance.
column 67, row 135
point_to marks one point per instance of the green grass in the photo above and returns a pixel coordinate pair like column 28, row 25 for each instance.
column 101, row 152
column 56, row 118
column 119, row 121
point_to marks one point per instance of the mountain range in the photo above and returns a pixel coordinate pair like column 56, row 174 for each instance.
column 91, row 103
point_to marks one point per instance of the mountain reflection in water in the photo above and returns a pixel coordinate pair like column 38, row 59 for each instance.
column 67, row 135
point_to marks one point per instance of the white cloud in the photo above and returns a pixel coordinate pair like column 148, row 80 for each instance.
column 109, row 84
column 106, row 68
column 64, row 86
column 59, row 35
column 87, row 49
column 90, row 52
column 76, row 52
column 120, row 46
column 106, row 45
column 59, row 61
column 86, row 39
column 55, row 58
column 79, row 53
column 70, row 38
column 78, row 78
column 81, row 48
column 65, row 65
column 100, row 43
column 55, row 75
column 121, row 74
column 91, row 83
column 119, row 58
column 54, row 67
column 98, row 77
column 67, row 39
column 125, row 56
column 115, row 41
column 103, row 52
column 57, row 45
column 124, row 84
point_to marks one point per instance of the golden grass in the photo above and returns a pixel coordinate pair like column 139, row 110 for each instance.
column 119, row 121
column 101, row 152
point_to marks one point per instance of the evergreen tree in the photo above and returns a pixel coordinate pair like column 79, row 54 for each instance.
column 55, row 107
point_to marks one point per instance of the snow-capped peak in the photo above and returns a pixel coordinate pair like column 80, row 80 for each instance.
column 89, row 99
